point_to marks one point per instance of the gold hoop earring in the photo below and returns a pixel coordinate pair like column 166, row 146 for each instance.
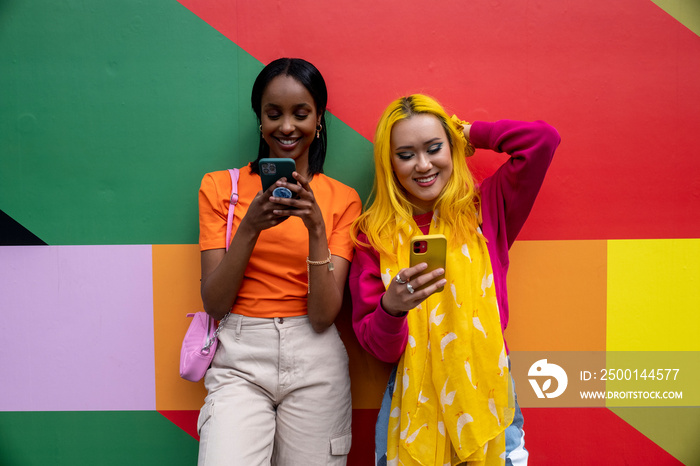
column 318, row 131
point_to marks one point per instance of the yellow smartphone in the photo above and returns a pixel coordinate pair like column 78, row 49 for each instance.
column 431, row 249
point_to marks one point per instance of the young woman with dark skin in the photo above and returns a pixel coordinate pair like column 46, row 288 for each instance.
column 279, row 388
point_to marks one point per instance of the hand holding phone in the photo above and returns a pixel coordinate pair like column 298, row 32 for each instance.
column 431, row 249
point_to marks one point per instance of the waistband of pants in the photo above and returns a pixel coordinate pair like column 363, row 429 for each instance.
column 238, row 321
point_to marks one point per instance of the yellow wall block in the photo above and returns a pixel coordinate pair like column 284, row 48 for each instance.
column 653, row 295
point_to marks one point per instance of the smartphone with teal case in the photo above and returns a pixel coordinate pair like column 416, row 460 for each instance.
column 272, row 169
column 431, row 249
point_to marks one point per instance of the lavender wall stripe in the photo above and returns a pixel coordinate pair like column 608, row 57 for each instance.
column 76, row 328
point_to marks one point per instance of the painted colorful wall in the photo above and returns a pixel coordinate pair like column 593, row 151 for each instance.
column 110, row 113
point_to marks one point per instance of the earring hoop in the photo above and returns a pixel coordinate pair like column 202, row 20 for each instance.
column 260, row 128
column 318, row 131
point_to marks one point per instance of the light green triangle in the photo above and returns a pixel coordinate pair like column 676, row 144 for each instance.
column 687, row 12
column 673, row 429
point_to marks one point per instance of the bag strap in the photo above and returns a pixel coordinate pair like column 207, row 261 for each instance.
column 212, row 334
column 234, row 172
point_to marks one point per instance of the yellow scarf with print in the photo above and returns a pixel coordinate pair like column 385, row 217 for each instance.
column 452, row 399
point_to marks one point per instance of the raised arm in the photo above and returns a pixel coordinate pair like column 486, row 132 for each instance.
column 511, row 192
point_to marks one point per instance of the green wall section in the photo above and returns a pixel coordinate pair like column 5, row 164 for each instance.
column 101, row 438
column 110, row 116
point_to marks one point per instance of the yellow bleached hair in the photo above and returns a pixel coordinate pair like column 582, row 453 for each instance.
column 390, row 213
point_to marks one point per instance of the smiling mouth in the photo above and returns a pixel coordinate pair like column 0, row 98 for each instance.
column 426, row 179
column 287, row 142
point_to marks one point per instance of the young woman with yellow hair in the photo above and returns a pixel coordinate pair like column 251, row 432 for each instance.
column 451, row 398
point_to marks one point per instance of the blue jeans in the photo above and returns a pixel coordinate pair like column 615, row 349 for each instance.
column 516, row 454
column 381, row 429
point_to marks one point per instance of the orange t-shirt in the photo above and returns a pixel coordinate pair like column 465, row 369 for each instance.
column 275, row 282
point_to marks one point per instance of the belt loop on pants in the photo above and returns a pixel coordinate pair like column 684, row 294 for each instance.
column 238, row 326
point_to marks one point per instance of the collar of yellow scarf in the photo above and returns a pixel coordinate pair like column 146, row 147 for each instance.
column 452, row 398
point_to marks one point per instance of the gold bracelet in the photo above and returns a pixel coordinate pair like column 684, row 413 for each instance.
column 323, row 262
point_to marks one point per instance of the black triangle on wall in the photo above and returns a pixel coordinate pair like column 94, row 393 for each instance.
column 14, row 234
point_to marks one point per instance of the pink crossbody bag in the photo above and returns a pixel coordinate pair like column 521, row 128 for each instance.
column 202, row 337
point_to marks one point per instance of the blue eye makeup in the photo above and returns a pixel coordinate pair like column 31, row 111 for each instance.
column 435, row 148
